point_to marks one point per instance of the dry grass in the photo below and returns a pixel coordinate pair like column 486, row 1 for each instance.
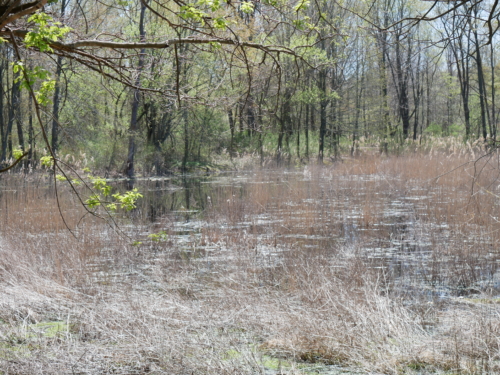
column 302, row 269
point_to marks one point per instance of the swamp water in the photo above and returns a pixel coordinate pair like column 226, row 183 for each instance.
column 430, row 243
column 414, row 234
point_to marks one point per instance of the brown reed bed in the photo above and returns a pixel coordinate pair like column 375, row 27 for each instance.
column 382, row 265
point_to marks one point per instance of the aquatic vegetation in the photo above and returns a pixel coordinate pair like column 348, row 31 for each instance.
column 384, row 264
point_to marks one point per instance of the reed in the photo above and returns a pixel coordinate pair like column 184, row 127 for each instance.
column 386, row 264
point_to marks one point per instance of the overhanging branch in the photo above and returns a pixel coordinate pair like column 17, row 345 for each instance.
column 32, row 8
column 154, row 45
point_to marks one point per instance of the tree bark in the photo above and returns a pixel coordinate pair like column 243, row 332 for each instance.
column 322, row 113
column 130, row 167
column 480, row 79
column 13, row 112
column 231, row 129
column 57, row 95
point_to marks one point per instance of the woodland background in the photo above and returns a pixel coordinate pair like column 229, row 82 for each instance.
column 347, row 75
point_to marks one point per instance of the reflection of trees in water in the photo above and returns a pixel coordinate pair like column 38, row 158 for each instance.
column 173, row 197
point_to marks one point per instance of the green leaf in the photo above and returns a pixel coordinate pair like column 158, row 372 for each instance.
column 112, row 207
column 193, row 13
column 302, row 5
column 215, row 45
column 93, row 201
column 212, row 4
column 17, row 153
column 101, row 185
column 247, row 7
column 128, row 199
column 45, row 30
column 47, row 161
column 44, row 94
column 220, row 23
column 28, row 78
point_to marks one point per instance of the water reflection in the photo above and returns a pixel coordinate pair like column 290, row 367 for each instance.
column 394, row 228
column 391, row 229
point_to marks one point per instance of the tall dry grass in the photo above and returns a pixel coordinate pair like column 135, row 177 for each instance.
column 374, row 264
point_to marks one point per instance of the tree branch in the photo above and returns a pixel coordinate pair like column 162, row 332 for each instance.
column 68, row 47
column 30, row 10
column 14, row 164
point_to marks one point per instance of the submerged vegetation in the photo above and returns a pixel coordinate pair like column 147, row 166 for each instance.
column 375, row 264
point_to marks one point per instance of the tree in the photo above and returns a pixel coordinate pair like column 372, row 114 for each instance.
column 165, row 82
column 207, row 24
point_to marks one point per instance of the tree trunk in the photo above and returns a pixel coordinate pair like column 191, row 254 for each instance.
column 461, row 54
column 129, row 169
column 19, row 125
column 57, row 96
column 402, row 90
column 357, row 101
column 186, row 139
column 384, row 103
column 306, row 125
column 31, row 139
column 417, row 95
column 231, row 128
column 55, row 108
column 480, row 79
column 299, row 120
column 13, row 113
column 322, row 110
column 2, row 95
column 493, row 114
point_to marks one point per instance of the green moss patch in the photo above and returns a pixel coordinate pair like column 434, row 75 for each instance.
column 48, row 329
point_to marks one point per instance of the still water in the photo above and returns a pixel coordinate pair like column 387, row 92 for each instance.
column 428, row 242
column 415, row 232
column 426, row 237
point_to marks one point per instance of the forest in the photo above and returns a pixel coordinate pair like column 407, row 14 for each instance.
column 158, row 86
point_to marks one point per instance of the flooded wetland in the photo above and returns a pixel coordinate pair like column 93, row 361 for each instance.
column 382, row 265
